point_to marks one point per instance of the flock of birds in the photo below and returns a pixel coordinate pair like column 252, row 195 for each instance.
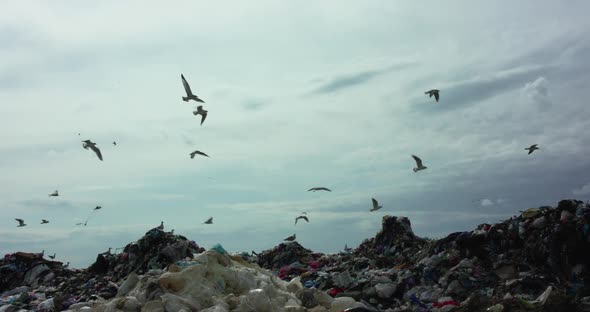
column 88, row 144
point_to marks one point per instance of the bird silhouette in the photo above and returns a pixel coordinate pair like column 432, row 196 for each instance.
column 301, row 217
column 52, row 256
column 419, row 165
column 54, row 194
column 433, row 92
column 199, row 153
column 43, row 221
column 375, row 205
column 189, row 93
column 21, row 222
column 290, row 238
column 209, row 221
column 202, row 112
column 319, row 188
column 97, row 208
column 93, row 147
column 532, row 148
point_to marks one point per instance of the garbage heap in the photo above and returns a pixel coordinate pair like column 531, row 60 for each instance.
column 538, row 261
column 155, row 250
column 159, row 272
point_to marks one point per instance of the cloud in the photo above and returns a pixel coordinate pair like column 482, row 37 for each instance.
column 476, row 90
column 584, row 190
column 486, row 202
column 346, row 81
column 538, row 92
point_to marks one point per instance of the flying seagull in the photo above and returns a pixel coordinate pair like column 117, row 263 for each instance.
column 433, row 92
column 209, row 221
column 52, row 256
column 92, row 145
column 320, row 188
column 84, row 224
column 97, row 208
column 202, row 112
column 189, row 93
column 197, row 152
column 291, row 238
column 114, row 143
column 43, row 221
column 532, row 148
column 375, row 205
column 54, row 194
column 419, row 165
column 21, row 222
column 301, row 217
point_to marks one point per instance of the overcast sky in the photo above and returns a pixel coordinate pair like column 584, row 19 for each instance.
column 326, row 93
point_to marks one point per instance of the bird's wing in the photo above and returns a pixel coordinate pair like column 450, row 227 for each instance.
column 21, row 221
column 530, row 151
column 427, row 92
column 203, row 116
column 534, row 145
column 192, row 155
column 305, row 218
column 436, row 95
column 418, row 160
column 97, row 151
column 296, row 219
column 375, row 204
column 201, row 153
column 311, row 189
column 187, row 88
column 327, row 189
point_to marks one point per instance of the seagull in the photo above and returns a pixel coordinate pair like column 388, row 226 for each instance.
column 197, row 152
column 301, row 217
column 419, row 165
column 21, row 222
column 532, row 148
column 346, row 248
column 375, row 205
column 92, row 145
column 43, row 221
column 209, row 221
column 433, row 92
column 52, row 257
column 161, row 226
column 54, row 194
column 114, row 143
column 97, row 208
column 84, row 224
column 291, row 238
column 202, row 112
column 66, row 265
column 320, row 188
column 189, row 93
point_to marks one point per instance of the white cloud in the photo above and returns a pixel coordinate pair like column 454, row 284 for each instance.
column 487, row 202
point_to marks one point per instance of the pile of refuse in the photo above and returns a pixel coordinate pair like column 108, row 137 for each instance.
column 537, row 261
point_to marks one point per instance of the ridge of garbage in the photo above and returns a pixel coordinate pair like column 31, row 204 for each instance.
column 537, row 261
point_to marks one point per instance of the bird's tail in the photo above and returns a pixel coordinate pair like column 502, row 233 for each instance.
column 184, row 98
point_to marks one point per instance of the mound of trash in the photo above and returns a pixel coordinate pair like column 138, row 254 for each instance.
column 537, row 261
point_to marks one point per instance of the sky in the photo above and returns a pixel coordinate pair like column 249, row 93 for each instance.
column 326, row 94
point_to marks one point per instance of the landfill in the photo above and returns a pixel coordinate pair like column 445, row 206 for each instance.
column 536, row 261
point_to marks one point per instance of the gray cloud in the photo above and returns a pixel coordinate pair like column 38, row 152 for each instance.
column 583, row 190
column 538, row 92
column 346, row 81
column 476, row 90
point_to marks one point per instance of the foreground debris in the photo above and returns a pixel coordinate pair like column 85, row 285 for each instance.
column 537, row 261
